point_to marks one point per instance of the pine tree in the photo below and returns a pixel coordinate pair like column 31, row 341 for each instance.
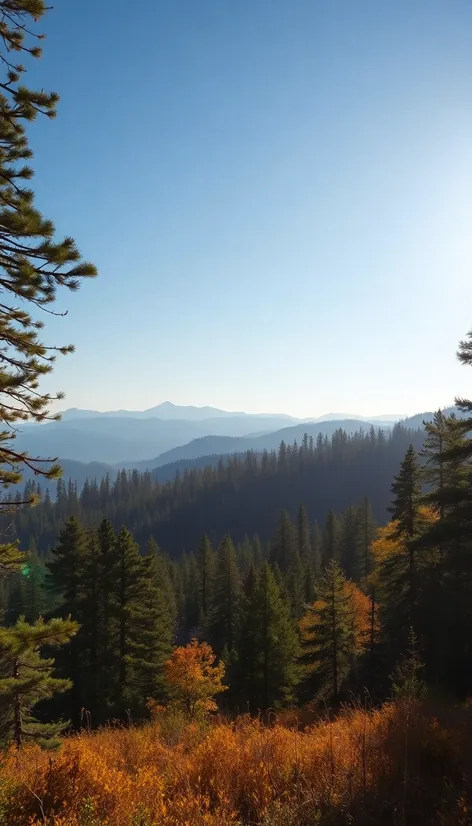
column 407, row 523
column 33, row 264
column 226, row 599
column 317, row 548
column 348, row 545
column 162, row 579
column 94, row 698
column 128, row 583
column 450, row 538
column 366, row 531
column 305, row 553
column 26, row 679
column 274, row 643
column 144, row 628
column 190, row 582
column 66, row 571
column 284, row 544
column 153, row 634
column 327, row 638
column 206, row 573
column 107, row 564
column 436, row 439
column 331, row 537
column 406, row 489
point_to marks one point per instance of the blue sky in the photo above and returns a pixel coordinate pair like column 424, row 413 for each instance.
column 278, row 196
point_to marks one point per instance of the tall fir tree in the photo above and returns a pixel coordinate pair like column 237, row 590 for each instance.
column 327, row 639
column 107, row 565
column 366, row 532
column 436, row 440
column 94, row 698
column 154, row 632
column 206, row 572
column 143, row 627
column 275, row 645
column 348, row 546
column 331, row 538
column 305, row 553
column 285, row 543
column 66, row 572
column 406, row 490
column 451, row 495
column 317, row 548
column 225, row 612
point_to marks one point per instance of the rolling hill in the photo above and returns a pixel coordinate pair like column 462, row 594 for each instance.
column 213, row 445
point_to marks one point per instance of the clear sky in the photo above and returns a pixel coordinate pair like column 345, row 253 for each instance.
column 278, row 194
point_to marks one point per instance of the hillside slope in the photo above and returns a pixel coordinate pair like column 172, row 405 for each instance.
column 210, row 445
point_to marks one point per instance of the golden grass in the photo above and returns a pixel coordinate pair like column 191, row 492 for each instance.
column 365, row 767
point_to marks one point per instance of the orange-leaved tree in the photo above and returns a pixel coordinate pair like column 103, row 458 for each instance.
column 194, row 678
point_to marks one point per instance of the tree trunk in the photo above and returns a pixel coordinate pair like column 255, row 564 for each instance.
column 17, row 727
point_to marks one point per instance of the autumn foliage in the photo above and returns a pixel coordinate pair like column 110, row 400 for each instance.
column 194, row 678
column 350, row 770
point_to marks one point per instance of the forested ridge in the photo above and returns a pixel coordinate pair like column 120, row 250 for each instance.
column 238, row 495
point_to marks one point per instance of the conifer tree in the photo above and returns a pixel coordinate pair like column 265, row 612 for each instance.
column 327, row 638
column 434, row 447
column 366, row 531
column 348, row 545
column 257, row 551
column 33, row 263
column 107, row 571
column 331, row 537
column 26, row 679
column 274, row 645
column 406, row 489
column 206, row 573
column 245, row 676
column 94, row 697
column 317, row 548
column 143, row 628
column 303, row 536
column 162, row 579
column 154, row 630
column 226, row 600
column 66, row 571
column 407, row 522
column 305, row 553
column 450, row 537
column 190, row 583
column 296, row 579
column 285, row 543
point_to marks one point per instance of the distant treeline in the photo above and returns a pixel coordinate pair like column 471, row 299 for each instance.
column 240, row 495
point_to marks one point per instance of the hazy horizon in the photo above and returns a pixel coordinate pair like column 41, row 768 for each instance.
column 344, row 414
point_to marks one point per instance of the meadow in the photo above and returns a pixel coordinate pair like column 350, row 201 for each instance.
column 401, row 764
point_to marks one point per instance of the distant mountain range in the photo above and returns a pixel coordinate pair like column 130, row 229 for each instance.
column 223, row 445
column 124, row 437
column 167, row 411
column 91, row 444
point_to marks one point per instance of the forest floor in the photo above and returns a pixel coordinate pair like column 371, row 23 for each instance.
column 402, row 764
